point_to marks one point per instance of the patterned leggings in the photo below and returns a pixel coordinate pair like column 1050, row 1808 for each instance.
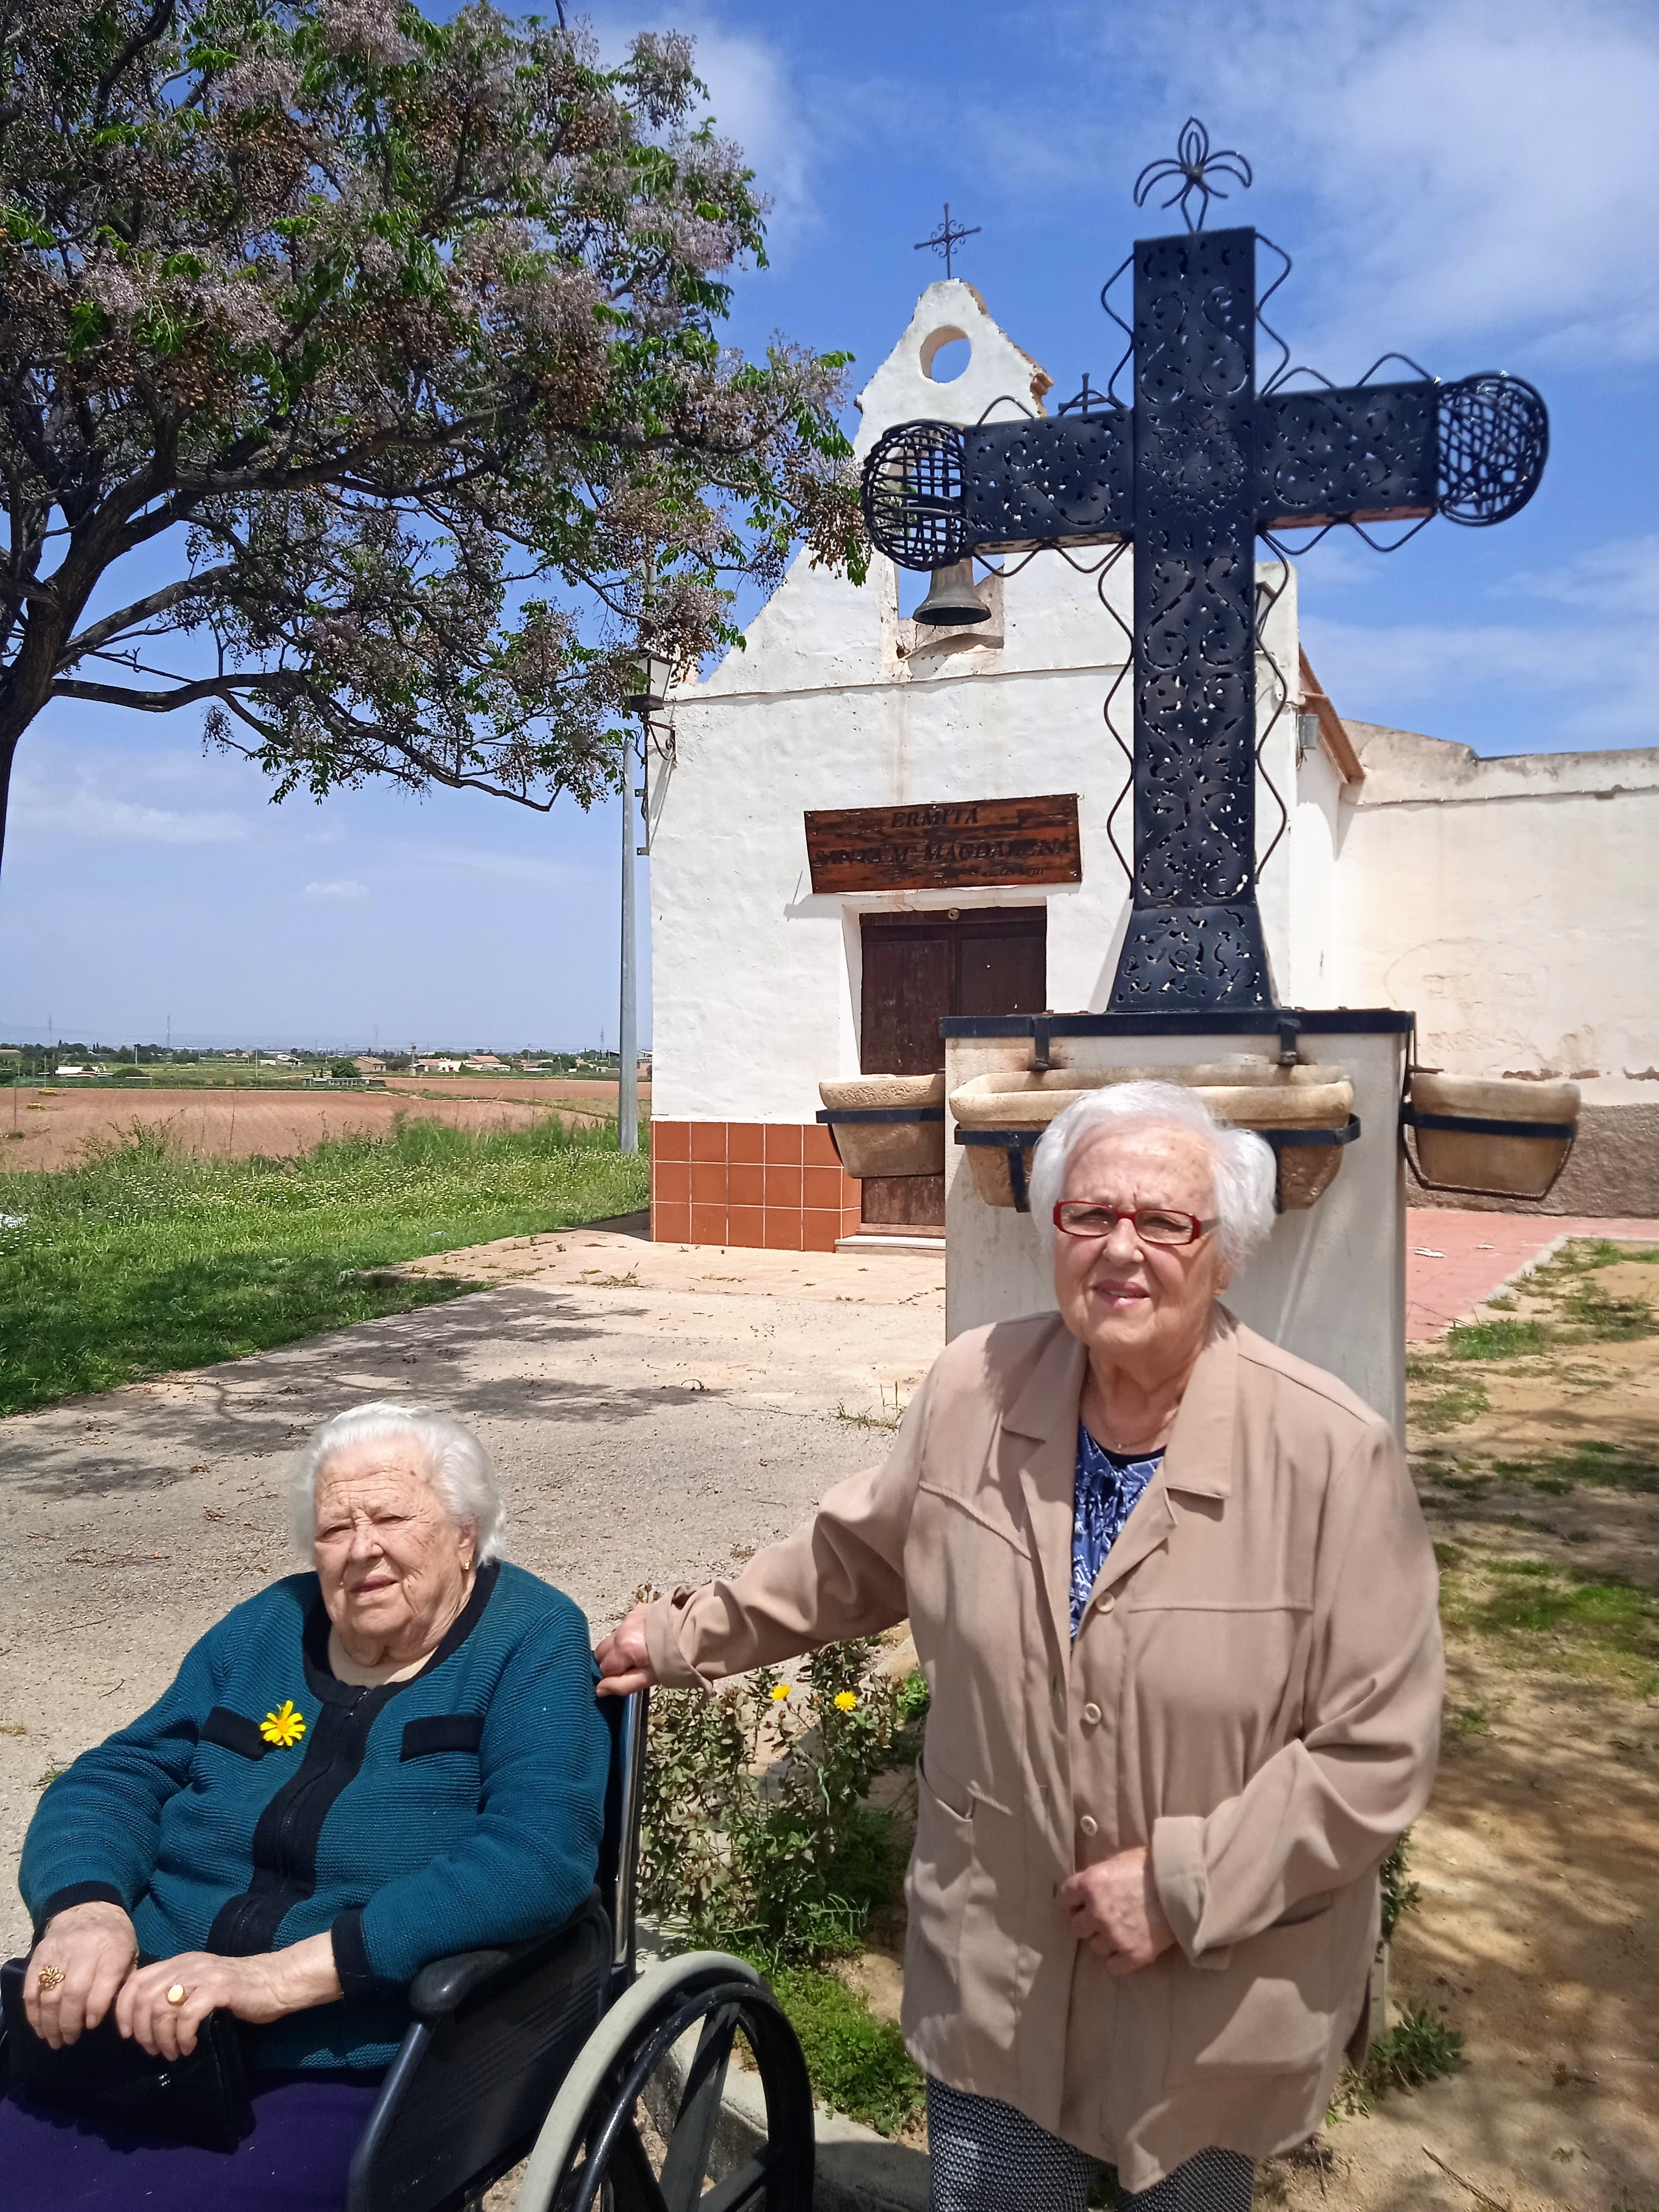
column 987, row 2157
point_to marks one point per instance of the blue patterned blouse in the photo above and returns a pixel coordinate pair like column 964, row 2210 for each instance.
column 1107, row 1485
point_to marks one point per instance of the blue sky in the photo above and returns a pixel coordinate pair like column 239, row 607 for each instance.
column 1474, row 183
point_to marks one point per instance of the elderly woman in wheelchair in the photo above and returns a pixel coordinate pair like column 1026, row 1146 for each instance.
column 395, row 1756
column 346, row 1919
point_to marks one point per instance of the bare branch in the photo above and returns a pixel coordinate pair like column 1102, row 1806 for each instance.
column 98, row 635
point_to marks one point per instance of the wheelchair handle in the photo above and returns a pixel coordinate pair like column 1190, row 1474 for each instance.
column 631, row 1746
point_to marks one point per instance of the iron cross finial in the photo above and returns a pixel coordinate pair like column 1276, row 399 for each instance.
column 1194, row 165
column 948, row 235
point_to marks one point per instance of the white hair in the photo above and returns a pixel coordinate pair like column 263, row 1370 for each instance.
column 455, row 1462
column 1244, row 1167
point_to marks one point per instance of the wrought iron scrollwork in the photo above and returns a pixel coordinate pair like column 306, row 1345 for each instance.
column 1205, row 462
column 1494, row 441
column 912, row 495
column 1190, row 171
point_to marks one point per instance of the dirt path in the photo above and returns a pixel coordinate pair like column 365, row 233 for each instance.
column 1538, row 1933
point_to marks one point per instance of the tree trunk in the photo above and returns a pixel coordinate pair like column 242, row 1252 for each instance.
column 8, row 753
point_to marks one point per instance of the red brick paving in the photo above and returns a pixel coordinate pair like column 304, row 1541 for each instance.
column 1453, row 1259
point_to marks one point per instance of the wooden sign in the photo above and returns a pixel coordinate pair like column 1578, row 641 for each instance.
column 953, row 845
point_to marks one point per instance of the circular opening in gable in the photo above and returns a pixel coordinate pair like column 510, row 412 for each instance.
column 946, row 353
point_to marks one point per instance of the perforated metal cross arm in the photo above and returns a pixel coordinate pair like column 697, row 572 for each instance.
column 1202, row 465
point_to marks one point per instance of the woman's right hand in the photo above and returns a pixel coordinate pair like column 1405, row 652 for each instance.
column 624, row 1658
column 95, row 1948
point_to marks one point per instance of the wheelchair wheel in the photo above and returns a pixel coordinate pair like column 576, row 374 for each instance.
column 651, row 2133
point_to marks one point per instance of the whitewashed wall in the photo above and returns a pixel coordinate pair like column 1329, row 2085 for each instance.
column 836, row 702
column 1512, row 903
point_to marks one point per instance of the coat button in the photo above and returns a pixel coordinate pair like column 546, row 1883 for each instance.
column 1091, row 1714
column 1089, row 1825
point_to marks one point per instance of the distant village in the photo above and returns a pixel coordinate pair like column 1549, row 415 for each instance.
column 82, row 1062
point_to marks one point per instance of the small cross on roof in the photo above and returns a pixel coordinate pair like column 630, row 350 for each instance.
column 948, row 235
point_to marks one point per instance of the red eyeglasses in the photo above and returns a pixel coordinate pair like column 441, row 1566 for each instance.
column 1152, row 1224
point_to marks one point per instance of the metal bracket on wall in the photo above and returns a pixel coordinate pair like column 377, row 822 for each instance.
column 1016, row 1143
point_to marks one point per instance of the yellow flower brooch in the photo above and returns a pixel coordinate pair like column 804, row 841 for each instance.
column 284, row 1727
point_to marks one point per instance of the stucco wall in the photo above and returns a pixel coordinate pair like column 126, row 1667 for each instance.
column 836, row 702
column 1513, row 904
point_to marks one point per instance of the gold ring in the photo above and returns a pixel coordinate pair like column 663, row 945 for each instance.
column 49, row 1977
column 177, row 1994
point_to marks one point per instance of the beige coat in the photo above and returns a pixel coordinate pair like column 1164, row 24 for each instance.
column 1254, row 1693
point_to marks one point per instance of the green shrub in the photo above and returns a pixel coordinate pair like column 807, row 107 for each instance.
column 1400, row 1894
column 1419, row 2047
column 754, row 1834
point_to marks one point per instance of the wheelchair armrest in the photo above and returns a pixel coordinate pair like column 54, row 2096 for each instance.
column 443, row 1985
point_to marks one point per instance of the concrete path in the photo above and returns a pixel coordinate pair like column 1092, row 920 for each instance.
column 1453, row 1259
column 656, row 1415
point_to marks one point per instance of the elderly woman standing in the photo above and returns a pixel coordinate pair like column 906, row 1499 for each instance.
column 361, row 1768
column 1176, row 1608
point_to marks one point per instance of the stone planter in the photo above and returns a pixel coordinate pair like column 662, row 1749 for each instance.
column 1490, row 1134
column 887, row 1125
column 1305, row 1112
column 999, row 1119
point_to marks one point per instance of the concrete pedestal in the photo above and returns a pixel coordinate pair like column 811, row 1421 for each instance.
column 1330, row 1283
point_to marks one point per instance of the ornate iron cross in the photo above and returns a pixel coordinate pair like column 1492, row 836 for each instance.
column 1202, row 464
column 946, row 238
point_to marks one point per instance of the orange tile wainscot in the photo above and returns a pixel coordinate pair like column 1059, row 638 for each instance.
column 771, row 1185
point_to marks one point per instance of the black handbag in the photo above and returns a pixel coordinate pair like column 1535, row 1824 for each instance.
column 202, row 2100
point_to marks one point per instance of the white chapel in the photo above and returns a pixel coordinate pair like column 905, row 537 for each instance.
column 1510, row 904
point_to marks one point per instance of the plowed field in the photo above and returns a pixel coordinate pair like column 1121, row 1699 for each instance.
column 39, row 1129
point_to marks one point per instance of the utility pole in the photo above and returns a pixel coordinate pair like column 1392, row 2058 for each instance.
column 654, row 676
column 627, row 1073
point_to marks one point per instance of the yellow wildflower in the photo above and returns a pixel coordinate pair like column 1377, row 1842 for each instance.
column 780, row 1691
column 283, row 1728
column 845, row 1701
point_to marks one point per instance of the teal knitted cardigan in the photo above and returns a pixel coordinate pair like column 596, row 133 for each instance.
column 458, row 1809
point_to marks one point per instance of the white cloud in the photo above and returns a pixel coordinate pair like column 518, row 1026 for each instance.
column 753, row 99
column 1619, row 579
column 84, row 813
column 1481, row 169
column 1589, row 650
column 504, row 868
column 342, row 889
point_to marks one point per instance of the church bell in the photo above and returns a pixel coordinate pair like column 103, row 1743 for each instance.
column 951, row 600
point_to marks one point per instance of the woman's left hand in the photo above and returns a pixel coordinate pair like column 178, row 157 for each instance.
column 256, row 1990
column 1116, row 1909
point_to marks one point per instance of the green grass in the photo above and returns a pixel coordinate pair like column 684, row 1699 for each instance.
column 1467, row 1720
column 1493, row 1339
column 858, row 2064
column 1442, row 1400
column 1595, row 1626
column 144, row 1259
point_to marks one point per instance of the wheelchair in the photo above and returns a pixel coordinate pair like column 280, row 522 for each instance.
column 611, row 2079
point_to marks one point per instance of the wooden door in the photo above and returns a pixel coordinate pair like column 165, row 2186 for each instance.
column 917, row 968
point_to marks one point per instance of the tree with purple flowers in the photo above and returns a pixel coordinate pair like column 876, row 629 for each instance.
column 360, row 383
